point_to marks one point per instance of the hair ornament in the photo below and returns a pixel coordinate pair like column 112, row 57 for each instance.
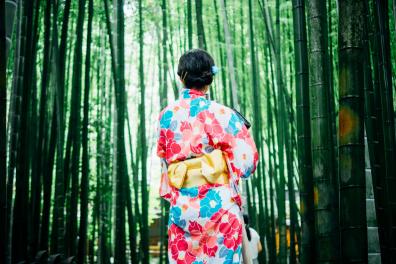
column 215, row 69
column 184, row 75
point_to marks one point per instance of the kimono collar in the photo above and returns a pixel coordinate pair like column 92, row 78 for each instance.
column 191, row 93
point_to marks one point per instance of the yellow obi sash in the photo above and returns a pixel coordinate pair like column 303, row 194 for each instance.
column 208, row 168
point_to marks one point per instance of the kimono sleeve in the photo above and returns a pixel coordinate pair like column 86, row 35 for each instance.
column 238, row 144
column 164, row 189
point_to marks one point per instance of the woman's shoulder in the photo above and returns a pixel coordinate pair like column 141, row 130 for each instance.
column 169, row 108
column 220, row 108
column 228, row 114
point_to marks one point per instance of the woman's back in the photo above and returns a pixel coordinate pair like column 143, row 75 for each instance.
column 194, row 125
column 205, row 224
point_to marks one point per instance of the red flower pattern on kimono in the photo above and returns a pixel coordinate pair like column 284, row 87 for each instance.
column 179, row 247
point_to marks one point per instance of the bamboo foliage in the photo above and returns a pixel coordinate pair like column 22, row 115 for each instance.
column 230, row 57
column 76, row 76
column 388, row 124
column 84, row 186
column 163, row 102
column 200, row 26
column 42, row 141
column 256, row 102
column 3, row 134
column 304, row 134
column 9, row 10
column 57, row 244
column 144, row 229
column 13, row 122
column 353, row 224
column 20, row 223
column 324, row 174
column 74, row 136
column 121, row 173
column 375, row 129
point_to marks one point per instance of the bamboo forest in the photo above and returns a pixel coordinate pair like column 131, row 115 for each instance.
column 82, row 83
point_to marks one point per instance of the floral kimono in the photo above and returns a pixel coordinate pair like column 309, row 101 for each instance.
column 205, row 223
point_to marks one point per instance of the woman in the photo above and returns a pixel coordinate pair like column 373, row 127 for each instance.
column 205, row 149
column 254, row 240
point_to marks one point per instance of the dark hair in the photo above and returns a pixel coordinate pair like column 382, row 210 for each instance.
column 246, row 220
column 195, row 68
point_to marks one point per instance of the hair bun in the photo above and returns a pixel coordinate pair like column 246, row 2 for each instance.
column 193, row 80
